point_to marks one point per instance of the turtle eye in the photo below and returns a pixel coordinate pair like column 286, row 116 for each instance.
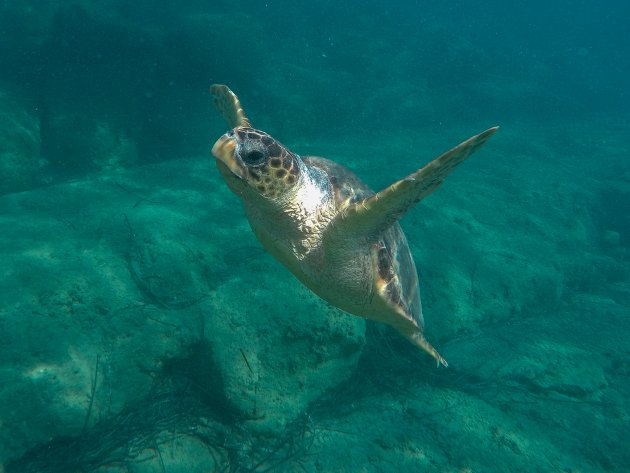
column 253, row 157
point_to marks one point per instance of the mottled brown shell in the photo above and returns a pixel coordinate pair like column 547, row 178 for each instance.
column 395, row 271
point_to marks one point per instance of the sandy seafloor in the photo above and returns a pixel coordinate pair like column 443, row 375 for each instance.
column 143, row 329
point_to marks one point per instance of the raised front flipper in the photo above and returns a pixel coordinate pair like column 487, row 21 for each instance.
column 229, row 105
column 375, row 214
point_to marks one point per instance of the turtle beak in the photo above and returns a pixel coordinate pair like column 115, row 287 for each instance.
column 224, row 151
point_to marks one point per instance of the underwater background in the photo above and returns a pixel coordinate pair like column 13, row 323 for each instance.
column 143, row 328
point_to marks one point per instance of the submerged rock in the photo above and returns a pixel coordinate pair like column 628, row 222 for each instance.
column 278, row 347
column 115, row 284
column 74, row 144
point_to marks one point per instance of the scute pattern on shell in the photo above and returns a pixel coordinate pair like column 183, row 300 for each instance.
column 394, row 266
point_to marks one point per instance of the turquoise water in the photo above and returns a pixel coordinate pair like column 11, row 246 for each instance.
column 144, row 329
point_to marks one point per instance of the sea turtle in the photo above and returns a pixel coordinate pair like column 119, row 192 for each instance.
column 337, row 236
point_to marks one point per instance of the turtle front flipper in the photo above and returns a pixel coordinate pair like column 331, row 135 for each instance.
column 375, row 214
column 229, row 105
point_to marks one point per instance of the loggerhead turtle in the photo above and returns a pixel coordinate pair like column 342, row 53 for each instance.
column 316, row 217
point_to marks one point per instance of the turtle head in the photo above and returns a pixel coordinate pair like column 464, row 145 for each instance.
column 252, row 161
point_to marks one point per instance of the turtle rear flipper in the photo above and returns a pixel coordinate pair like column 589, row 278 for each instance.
column 375, row 214
column 418, row 340
column 229, row 105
